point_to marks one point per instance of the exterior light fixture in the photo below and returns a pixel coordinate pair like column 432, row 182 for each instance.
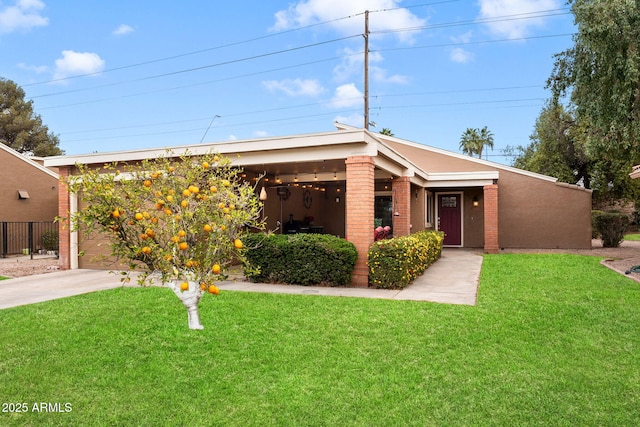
column 335, row 175
column 476, row 202
column 315, row 176
column 337, row 199
column 263, row 194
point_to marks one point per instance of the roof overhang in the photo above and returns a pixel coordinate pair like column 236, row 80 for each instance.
column 636, row 172
column 462, row 179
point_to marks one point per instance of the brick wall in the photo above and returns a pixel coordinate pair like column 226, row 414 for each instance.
column 402, row 205
column 64, row 245
column 491, row 242
column 360, row 198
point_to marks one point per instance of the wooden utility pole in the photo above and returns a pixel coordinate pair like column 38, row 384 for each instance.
column 366, row 69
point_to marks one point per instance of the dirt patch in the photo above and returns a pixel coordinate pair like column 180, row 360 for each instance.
column 25, row 266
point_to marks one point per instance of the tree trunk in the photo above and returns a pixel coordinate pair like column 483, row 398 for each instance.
column 190, row 298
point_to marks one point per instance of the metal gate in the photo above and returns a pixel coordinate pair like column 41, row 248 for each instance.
column 28, row 238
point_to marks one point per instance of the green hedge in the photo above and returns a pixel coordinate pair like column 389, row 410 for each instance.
column 394, row 263
column 299, row 259
column 610, row 226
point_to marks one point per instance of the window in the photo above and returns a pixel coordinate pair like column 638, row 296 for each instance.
column 428, row 209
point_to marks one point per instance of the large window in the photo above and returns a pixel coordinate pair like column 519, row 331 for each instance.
column 384, row 211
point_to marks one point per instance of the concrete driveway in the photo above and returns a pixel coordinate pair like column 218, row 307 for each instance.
column 453, row 279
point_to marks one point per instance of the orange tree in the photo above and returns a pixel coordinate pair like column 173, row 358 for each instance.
column 178, row 218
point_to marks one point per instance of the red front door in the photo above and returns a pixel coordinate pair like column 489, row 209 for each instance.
column 450, row 218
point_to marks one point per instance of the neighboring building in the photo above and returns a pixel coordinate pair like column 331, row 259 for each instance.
column 28, row 190
column 342, row 182
column 635, row 174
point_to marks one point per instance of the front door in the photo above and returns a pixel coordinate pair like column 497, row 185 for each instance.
column 450, row 218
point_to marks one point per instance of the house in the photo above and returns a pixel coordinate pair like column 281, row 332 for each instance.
column 344, row 181
column 635, row 174
column 28, row 190
column 28, row 194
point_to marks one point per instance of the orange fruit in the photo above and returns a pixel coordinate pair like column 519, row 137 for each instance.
column 216, row 159
column 115, row 214
column 169, row 198
column 216, row 268
column 150, row 233
column 146, row 250
column 147, row 183
column 213, row 189
column 144, row 236
column 183, row 246
column 168, row 211
column 193, row 189
column 223, row 227
column 237, row 243
column 178, row 217
column 205, row 165
column 155, row 175
column 175, row 239
column 138, row 216
column 182, row 233
column 203, row 286
column 214, row 289
column 207, row 228
column 184, row 203
column 184, row 286
column 168, row 257
column 226, row 183
column 190, row 263
column 186, row 193
column 221, row 205
column 171, row 168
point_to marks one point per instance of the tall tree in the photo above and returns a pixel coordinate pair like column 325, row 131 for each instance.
column 600, row 75
column 557, row 147
column 473, row 141
column 22, row 129
column 386, row 131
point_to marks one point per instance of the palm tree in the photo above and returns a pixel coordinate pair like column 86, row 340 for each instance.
column 473, row 141
column 485, row 140
column 469, row 141
column 386, row 131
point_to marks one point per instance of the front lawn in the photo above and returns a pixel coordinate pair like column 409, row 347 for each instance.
column 633, row 237
column 553, row 341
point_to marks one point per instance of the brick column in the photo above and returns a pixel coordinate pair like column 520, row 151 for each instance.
column 64, row 241
column 491, row 245
column 360, row 200
column 401, row 187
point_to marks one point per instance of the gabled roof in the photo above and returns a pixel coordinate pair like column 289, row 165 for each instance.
column 27, row 160
column 636, row 172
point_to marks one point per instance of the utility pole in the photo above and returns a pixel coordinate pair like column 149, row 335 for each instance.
column 366, row 69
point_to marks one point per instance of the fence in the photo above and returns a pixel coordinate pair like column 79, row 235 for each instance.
column 28, row 237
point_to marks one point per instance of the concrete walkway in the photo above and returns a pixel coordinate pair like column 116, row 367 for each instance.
column 453, row 279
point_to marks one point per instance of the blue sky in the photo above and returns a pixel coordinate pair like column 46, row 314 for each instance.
column 119, row 75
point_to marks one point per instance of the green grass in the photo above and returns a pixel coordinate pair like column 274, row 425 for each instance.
column 553, row 341
column 4, row 278
column 634, row 237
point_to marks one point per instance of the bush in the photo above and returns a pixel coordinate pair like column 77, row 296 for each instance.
column 300, row 259
column 610, row 226
column 50, row 240
column 394, row 263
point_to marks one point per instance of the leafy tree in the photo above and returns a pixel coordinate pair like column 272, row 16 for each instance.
column 386, row 131
column 557, row 147
column 180, row 219
column 600, row 75
column 20, row 128
column 473, row 141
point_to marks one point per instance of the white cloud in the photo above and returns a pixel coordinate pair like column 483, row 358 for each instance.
column 356, row 120
column 23, row 15
column 353, row 64
column 295, row 87
column 307, row 12
column 77, row 63
column 232, row 137
column 122, row 30
column 514, row 28
column 38, row 69
column 460, row 55
column 380, row 75
column 347, row 95
column 260, row 133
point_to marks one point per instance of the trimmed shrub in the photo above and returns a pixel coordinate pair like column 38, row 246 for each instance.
column 394, row 263
column 299, row 259
column 610, row 226
column 50, row 240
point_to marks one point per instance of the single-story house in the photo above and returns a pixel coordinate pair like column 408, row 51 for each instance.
column 346, row 182
column 28, row 190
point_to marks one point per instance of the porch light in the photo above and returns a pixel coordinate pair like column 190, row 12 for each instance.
column 476, row 202
column 335, row 175
column 315, row 176
column 337, row 199
column 263, row 194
